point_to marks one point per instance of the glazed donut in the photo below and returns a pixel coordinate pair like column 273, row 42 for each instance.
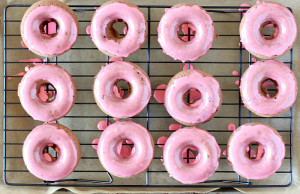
column 205, row 163
column 43, row 165
column 270, row 152
column 139, row 89
column 201, row 111
column 169, row 26
column 109, row 149
column 105, row 36
column 255, row 95
column 46, row 109
column 38, row 16
column 260, row 15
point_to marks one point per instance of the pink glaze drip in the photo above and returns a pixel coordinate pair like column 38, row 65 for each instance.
column 116, row 119
column 113, row 59
column 118, row 91
column 224, row 152
column 244, row 9
column 168, row 32
column 162, row 140
column 185, row 29
column 95, row 143
column 88, row 30
column 198, row 112
column 159, row 93
column 253, row 59
column 102, row 125
column 135, row 35
column 125, row 151
column 237, row 83
column 186, row 66
column 251, row 84
column 44, row 95
column 231, row 127
column 175, row 127
column 235, row 73
column 188, row 156
column 51, row 28
column 23, row 44
column 264, row 165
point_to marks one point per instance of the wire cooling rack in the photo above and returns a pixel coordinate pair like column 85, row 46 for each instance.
column 19, row 125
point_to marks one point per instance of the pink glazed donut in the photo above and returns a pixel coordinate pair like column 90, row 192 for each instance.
column 30, row 87
column 256, row 97
column 169, row 26
column 40, row 163
column 263, row 14
column 139, row 89
column 201, row 111
column 35, row 20
column 105, row 36
column 206, row 162
column 109, row 153
column 270, row 152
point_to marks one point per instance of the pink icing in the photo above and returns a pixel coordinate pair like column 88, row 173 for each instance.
column 205, row 163
column 175, row 127
column 135, row 36
column 225, row 153
column 237, row 83
column 188, row 156
column 251, row 84
column 113, row 59
column 112, row 104
column 186, row 66
column 199, row 112
column 244, row 9
column 66, row 34
column 88, row 30
column 116, row 119
column 285, row 35
column 161, row 140
column 51, row 28
column 263, row 166
column 231, row 127
column 253, row 59
column 109, row 154
column 118, row 92
column 23, row 44
column 185, row 29
column 43, row 167
column 95, row 143
column 38, row 108
column 102, row 125
column 168, row 32
column 235, row 73
column 159, row 93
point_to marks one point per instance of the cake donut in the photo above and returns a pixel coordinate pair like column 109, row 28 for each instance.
column 40, row 163
column 109, row 149
column 205, row 163
column 46, row 109
column 260, row 15
column 139, row 89
column 201, row 111
column 170, row 24
column 270, row 152
column 255, row 96
column 105, row 36
column 40, row 15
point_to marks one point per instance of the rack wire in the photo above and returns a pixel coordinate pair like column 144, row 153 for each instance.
column 225, row 178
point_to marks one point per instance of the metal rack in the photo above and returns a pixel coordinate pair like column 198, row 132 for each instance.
column 9, row 173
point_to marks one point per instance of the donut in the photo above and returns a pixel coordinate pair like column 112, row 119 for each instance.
column 111, row 141
column 201, row 111
column 260, row 15
column 50, row 108
column 270, row 152
column 40, row 15
column 170, row 24
column 40, row 163
column 106, row 37
column 255, row 95
column 205, row 163
column 139, row 89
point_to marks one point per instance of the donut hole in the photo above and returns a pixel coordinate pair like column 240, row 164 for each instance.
column 49, row 27
column 125, row 149
column 51, row 152
column 268, row 30
column 190, row 155
column 192, row 97
column 254, row 151
column 269, row 88
column 116, row 29
column 186, row 32
column 46, row 92
column 122, row 89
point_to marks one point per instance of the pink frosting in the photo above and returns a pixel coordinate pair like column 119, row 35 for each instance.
column 109, row 149
column 114, row 105
column 285, row 32
column 251, row 83
column 159, row 93
column 203, row 109
column 37, row 107
column 205, row 163
column 66, row 33
column 264, row 165
column 168, row 28
column 43, row 167
column 135, row 35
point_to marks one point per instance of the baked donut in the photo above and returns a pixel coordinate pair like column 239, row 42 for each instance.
column 260, row 15
column 106, row 37
column 40, row 15
column 110, row 146
column 270, row 152
column 139, row 89
column 201, row 111
column 170, row 24
column 58, row 103
column 255, row 96
column 205, row 163
column 40, row 163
